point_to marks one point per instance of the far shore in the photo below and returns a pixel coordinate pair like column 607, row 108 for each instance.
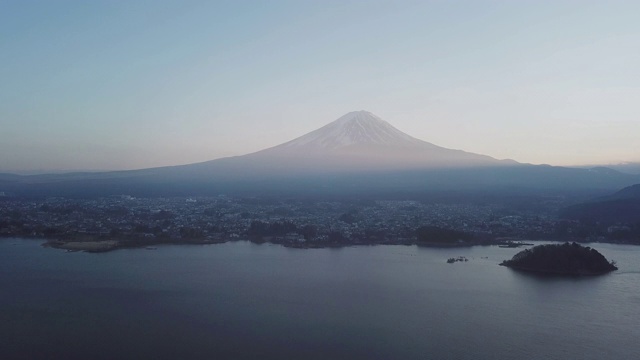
column 88, row 246
column 97, row 246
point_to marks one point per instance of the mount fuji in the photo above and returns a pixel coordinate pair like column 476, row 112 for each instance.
column 361, row 140
column 357, row 154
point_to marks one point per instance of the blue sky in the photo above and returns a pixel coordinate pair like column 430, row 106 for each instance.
column 134, row 84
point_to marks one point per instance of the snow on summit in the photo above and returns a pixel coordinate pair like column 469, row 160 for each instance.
column 354, row 128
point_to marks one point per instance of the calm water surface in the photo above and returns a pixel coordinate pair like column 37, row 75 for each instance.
column 240, row 300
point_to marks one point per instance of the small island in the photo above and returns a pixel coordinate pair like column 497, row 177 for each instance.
column 561, row 259
column 458, row 259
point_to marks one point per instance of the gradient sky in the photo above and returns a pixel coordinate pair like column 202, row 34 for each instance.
column 133, row 84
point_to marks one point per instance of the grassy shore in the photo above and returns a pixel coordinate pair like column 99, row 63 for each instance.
column 88, row 246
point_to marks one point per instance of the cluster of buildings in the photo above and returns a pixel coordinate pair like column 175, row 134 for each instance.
column 139, row 221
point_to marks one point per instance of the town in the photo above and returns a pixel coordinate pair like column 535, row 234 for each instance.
column 125, row 221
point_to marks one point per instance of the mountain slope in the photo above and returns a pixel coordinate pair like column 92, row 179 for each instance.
column 361, row 140
column 620, row 207
column 629, row 193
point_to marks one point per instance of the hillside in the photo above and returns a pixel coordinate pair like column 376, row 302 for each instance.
column 620, row 207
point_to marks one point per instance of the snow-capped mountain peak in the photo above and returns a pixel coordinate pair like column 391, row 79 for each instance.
column 354, row 128
column 362, row 140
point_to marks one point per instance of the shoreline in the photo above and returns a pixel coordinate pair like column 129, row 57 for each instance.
column 100, row 246
column 531, row 270
column 106, row 245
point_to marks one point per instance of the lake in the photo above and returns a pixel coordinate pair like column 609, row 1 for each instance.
column 241, row 300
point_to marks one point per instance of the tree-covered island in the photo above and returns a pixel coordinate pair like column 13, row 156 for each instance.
column 561, row 259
